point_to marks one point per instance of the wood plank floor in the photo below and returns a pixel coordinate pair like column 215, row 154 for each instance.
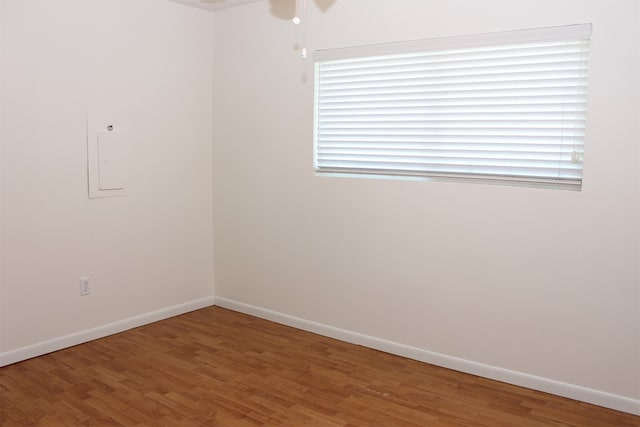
column 215, row 367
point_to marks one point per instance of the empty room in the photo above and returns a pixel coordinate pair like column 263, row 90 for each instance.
column 320, row 213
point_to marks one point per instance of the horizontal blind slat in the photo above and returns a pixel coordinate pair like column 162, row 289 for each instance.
column 423, row 100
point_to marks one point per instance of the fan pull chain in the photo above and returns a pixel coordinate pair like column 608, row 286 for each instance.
column 299, row 17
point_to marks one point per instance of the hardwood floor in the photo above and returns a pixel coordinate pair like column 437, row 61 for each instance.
column 215, row 367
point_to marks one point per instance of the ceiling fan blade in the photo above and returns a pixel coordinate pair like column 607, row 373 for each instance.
column 324, row 5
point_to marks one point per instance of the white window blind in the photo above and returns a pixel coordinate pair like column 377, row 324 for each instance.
column 506, row 106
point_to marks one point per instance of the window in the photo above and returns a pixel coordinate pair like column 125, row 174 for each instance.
column 503, row 106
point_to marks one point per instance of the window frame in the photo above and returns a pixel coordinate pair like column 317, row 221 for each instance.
column 540, row 35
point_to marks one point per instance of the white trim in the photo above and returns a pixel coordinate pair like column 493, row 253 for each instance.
column 456, row 42
column 596, row 397
column 87, row 335
column 215, row 6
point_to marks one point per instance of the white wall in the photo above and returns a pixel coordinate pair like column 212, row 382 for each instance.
column 539, row 282
column 1, row 149
column 149, row 64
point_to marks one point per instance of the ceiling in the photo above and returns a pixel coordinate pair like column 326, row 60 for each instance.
column 215, row 4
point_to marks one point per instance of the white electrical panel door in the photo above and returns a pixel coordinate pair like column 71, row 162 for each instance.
column 108, row 153
column 111, row 160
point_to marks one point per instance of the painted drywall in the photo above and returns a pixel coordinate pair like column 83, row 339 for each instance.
column 147, row 66
column 536, row 281
column 1, row 145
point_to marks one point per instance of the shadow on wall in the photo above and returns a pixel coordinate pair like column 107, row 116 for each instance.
column 286, row 9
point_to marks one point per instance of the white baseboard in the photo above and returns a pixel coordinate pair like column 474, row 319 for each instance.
column 59, row 343
column 596, row 397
